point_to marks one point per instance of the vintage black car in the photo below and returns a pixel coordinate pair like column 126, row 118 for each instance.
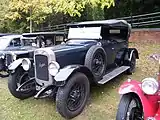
column 95, row 52
column 23, row 46
column 8, row 42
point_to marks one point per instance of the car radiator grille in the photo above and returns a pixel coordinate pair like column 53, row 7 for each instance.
column 9, row 59
column 41, row 64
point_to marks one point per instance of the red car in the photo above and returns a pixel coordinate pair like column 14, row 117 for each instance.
column 140, row 100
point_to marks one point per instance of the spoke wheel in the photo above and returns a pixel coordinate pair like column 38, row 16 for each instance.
column 71, row 98
column 135, row 114
column 129, row 108
column 98, row 64
column 76, row 97
column 134, row 111
column 23, row 78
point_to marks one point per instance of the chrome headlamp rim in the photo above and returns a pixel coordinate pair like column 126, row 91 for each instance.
column 26, row 64
column 147, row 83
column 53, row 68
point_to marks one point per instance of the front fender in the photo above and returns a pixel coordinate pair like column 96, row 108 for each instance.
column 66, row 72
column 15, row 64
column 149, row 103
column 130, row 86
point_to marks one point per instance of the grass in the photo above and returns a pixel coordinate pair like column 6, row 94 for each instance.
column 102, row 104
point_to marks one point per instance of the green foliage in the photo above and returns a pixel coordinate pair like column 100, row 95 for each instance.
column 3, row 9
column 75, row 7
column 6, row 25
column 36, row 11
column 39, row 9
column 15, row 15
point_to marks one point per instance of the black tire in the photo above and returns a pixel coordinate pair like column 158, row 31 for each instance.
column 89, row 61
column 132, row 65
column 13, row 82
column 123, row 108
column 64, row 95
column 4, row 75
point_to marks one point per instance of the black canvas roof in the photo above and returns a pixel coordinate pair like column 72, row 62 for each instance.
column 42, row 33
column 4, row 34
column 112, row 23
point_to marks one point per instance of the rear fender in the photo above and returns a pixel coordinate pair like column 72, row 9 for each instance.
column 64, row 74
column 15, row 64
column 126, row 55
column 130, row 52
column 149, row 103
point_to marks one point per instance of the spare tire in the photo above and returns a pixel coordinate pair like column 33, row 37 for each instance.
column 95, row 60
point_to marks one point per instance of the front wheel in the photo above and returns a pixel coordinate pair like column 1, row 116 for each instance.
column 15, row 80
column 4, row 74
column 129, row 108
column 71, row 98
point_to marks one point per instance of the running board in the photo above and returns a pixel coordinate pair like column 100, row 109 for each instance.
column 113, row 74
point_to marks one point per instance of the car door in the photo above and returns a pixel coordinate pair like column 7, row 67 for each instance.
column 114, row 41
column 120, row 41
column 109, row 47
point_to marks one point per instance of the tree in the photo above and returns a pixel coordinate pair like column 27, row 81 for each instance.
column 31, row 10
column 75, row 7
column 37, row 10
column 3, row 10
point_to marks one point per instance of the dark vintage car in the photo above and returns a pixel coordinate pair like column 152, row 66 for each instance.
column 23, row 46
column 95, row 52
column 8, row 42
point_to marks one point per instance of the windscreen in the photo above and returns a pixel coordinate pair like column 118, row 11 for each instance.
column 4, row 43
column 85, row 32
column 29, row 41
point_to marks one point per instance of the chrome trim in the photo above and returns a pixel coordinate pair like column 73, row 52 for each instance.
column 51, row 57
column 57, row 65
column 131, row 55
column 28, row 62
